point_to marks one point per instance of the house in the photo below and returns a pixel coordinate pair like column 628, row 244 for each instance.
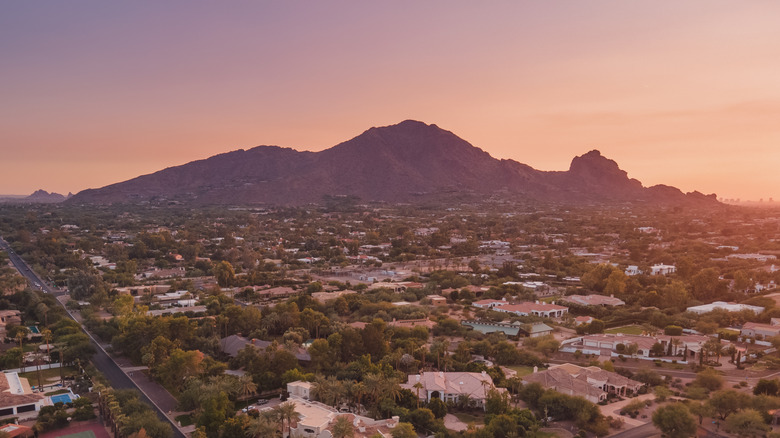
column 276, row 293
column 324, row 297
column 536, row 329
column 489, row 304
column 632, row 270
column 449, row 387
column 300, row 389
column 613, row 345
column 437, row 300
column 580, row 320
column 235, row 343
column 662, row 269
column 411, row 323
column 594, row 300
column 728, row 307
column 16, row 396
column 764, row 331
column 8, row 317
column 316, row 420
column 536, row 309
column 591, row 383
column 487, row 327
column 17, row 430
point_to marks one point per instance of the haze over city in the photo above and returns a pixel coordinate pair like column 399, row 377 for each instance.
column 681, row 93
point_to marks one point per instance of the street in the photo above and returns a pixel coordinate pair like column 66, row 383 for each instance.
column 100, row 359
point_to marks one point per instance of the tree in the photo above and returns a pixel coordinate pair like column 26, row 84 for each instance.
column 288, row 414
column 675, row 420
column 767, row 387
column 747, row 423
column 709, row 379
column 224, row 273
column 248, row 386
column 342, row 428
column 727, row 402
column 404, row 430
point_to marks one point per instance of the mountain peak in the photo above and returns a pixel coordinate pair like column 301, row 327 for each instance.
column 404, row 162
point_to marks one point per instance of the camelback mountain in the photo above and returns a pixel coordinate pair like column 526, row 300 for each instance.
column 399, row 163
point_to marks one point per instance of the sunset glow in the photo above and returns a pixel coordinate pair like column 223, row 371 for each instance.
column 679, row 93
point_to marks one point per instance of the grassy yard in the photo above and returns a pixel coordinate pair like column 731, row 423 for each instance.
column 32, row 375
column 523, row 370
column 626, row 330
column 185, row 420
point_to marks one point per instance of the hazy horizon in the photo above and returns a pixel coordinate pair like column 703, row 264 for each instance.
column 683, row 94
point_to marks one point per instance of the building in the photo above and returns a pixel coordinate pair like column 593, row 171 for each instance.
column 16, row 396
column 8, row 317
column 536, row 329
column 317, row 419
column 300, row 389
column 728, row 307
column 632, row 270
column 323, row 297
column 449, row 387
column 662, row 269
column 489, row 304
column 591, row 383
column 763, row 331
column 609, row 345
column 580, row 320
column 437, row 300
column 594, row 300
column 544, row 310
column 234, row 343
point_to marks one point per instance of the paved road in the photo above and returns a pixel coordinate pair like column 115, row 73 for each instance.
column 20, row 265
column 102, row 361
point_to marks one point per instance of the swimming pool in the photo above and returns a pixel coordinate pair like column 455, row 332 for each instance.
column 33, row 329
column 61, row 398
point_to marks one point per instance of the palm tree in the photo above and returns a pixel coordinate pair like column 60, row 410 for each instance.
column 46, row 333
column 288, row 413
column 263, row 426
column 342, row 428
column 21, row 333
column 247, row 386
column 418, row 386
column 358, row 390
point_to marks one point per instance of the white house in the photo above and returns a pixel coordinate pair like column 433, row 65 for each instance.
column 728, row 307
column 450, row 386
column 662, row 269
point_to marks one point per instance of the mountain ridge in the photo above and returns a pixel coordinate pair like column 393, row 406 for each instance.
column 398, row 163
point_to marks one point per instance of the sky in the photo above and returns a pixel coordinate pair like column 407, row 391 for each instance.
column 684, row 93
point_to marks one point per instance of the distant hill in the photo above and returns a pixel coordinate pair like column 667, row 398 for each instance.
column 399, row 163
column 38, row 197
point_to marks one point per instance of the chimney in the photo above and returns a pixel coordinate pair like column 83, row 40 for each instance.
column 536, row 369
column 484, row 373
column 417, row 378
column 441, row 374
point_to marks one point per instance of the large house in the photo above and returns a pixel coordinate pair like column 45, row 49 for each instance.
column 609, row 345
column 592, row 383
column 234, row 343
column 594, row 300
column 16, row 396
column 765, row 331
column 662, row 269
column 728, row 307
column 533, row 309
column 449, row 387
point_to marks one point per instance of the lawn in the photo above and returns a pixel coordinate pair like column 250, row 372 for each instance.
column 185, row 420
column 523, row 370
column 626, row 330
column 32, row 375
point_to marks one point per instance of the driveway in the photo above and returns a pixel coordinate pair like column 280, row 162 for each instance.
column 613, row 410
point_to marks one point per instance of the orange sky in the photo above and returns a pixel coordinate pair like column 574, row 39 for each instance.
column 680, row 93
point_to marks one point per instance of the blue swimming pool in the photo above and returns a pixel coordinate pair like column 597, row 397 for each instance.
column 61, row 398
column 33, row 329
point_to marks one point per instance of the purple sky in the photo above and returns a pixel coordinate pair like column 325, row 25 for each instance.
column 680, row 93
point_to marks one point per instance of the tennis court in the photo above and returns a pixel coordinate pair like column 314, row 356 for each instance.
column 91, row 429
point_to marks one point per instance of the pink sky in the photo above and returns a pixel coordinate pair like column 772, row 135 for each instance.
column 680, row 93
